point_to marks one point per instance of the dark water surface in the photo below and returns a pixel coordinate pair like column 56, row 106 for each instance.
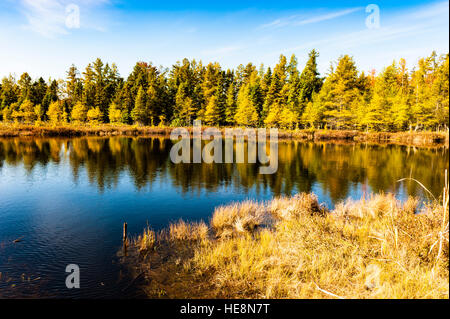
column 66, row 199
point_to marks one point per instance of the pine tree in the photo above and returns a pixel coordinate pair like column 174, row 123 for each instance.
column 440, row 93
column 212, row 113
column 38, row 90
column 89, row 94
column 309, row 82
column 275, row 96
column 139, row 113
column 230, row 108
column 274, row 117
column 339, row 90
column 51, row 95
column 72, row 85
column 246, row 112
column 24, row 87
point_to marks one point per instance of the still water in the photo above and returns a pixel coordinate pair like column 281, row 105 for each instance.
column 66, row 199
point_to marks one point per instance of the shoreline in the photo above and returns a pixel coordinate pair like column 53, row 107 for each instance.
column 400, row 138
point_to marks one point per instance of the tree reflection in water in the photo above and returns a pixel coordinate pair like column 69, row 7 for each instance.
column 335, row 168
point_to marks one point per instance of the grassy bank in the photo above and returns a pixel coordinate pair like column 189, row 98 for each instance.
column 293, row 247
column 69, row 130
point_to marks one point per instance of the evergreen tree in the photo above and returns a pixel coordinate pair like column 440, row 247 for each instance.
column 246, row 112
column 139, row 112
column 338, row 92
column 51, row 95
column 72, row 85
column 230, row 108
column 310, row 81
column 24, row 87
column 275, row 96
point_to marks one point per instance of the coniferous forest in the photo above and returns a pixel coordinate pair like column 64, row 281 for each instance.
column 393, row 99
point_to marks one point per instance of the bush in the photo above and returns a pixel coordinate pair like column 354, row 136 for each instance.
column 79, row 112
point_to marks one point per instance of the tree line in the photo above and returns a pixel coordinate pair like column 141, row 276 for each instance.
column 395, row 99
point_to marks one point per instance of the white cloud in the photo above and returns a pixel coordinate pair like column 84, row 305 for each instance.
column 222, row 51
column 298, row 20
column 326, row 17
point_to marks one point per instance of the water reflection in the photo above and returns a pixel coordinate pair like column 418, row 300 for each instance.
column 336, row 170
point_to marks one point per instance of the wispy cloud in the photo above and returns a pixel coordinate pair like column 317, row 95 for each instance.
column 405, row 27
column 326, row 17
column 298, row 20
column 48, row 17
column 222, row 50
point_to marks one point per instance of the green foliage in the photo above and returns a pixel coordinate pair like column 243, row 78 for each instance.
column 395, row 99
column 139, row 113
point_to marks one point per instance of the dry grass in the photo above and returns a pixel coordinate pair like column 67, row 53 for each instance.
column 146, row 241
column 238, row 218
column 292, row 247
column 70, row 130
column 183, row 231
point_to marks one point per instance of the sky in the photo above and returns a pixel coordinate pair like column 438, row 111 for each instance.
column 44, row 37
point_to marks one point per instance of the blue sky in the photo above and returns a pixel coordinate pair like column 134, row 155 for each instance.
column 36, row 38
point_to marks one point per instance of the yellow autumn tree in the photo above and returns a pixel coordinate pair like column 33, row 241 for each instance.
column 117, row 115
column 56, row 113
column 94, row 115
column 79, row 112
column 246, row 113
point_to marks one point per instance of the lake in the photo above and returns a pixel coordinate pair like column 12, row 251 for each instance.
column 65, row 200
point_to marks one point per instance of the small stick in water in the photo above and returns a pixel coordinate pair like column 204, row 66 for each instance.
column 18, row 240
column 124, row 232
column 124, row 239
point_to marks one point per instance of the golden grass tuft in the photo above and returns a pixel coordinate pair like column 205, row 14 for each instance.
column 183, row 231
column 377, row 247
column 147, row 240
column 238, row 218
column 293, row 207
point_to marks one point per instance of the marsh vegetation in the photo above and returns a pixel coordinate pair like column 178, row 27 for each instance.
column 293, row 247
